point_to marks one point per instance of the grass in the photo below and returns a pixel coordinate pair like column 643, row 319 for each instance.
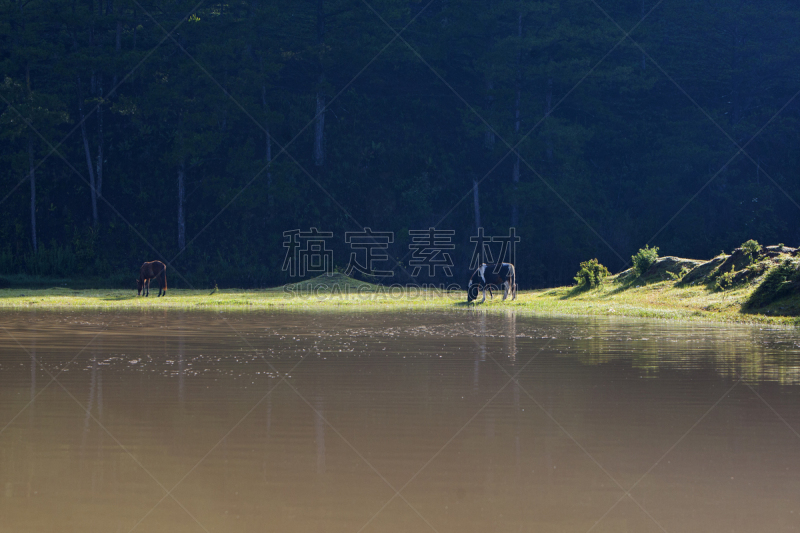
column 659, row 299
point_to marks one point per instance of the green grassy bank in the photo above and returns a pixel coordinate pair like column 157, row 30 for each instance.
column 650, row 295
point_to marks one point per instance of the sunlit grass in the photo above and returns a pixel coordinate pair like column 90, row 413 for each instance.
column 655, row 300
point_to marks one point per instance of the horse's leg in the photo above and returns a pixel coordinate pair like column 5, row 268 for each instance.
column 147, row 283
column 160, row 285
column 164, row 279
column 505, row 291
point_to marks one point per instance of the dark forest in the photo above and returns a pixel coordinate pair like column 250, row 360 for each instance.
column 198, row 133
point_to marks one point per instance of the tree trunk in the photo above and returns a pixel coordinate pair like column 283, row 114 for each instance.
column 735, row 112
column 181, row 202
column 515, row 181
column 515, row 171
column 269, row 169
column 476, row 202
column 547, row 110
column 488, row 136
column 644, row 57
column 100, row 137
column 88, row 153
column 319, row 131
column 31, row 167
column 319, row 128
column 33, row 192
column 117, row 47
column 268, row 146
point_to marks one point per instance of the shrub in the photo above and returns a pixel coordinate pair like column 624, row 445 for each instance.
column 644, row 259
column 679, row 276
column 55, row 261
column 591, row 274
column 6, row 261
column 751, row 248
column 777, row 283
column 725, row 281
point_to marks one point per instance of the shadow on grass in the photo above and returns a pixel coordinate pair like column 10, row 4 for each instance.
column 621, row 287
column 787, row 306
column 574, row 291
column 583, row 289
column 119, row 298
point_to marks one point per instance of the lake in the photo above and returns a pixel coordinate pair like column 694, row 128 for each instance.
column 395, row 421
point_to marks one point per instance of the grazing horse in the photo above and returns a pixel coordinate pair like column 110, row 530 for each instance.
column 151, row 271
column 492, row 275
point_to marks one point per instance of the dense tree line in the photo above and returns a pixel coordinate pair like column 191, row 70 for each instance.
column 198, row 132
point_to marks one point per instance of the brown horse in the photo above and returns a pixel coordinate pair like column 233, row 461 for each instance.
column 151, row 271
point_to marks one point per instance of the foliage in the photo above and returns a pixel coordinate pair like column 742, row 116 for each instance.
column 644, row 259
column 725, row 280
column 7, row 262
column 668, row 302
column 401, row 149
column 52, row 261
column 777, row 283
column 591, row 274
column 679, row 275
column 751, row 248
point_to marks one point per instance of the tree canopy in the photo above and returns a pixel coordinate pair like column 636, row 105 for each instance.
column 198, row 132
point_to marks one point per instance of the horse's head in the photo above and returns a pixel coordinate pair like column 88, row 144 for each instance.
column 472, row 291
column 476, row 282
column 139, row 286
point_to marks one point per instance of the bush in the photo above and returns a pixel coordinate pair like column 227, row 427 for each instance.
column 679, row 276
column 7, row 261
column 644, row 259
column 725, row 281
column 777, row 283
column 591, row 274
column 54, row 261
column 751, row 248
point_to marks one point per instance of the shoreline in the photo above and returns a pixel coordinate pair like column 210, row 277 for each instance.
column 660, row 300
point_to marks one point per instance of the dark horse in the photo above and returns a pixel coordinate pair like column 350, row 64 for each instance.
column 150, row 271
column 493, row 275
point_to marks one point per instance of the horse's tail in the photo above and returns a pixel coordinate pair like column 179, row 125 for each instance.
column 513, row 276
column 164, row 274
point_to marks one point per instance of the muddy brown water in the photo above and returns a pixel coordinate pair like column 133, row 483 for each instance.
column 397, row 421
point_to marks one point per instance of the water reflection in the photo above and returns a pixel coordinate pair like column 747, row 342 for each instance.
column 424, row 399
column 319, row 434
column 181, row 369
column 511, row 335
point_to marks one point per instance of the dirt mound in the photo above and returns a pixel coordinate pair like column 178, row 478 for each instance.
column 664, row 266
column 738, row 260
column 779, row 289
column 775, row 251
column 330, row 282
column 702, row 271
column 746, row 267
